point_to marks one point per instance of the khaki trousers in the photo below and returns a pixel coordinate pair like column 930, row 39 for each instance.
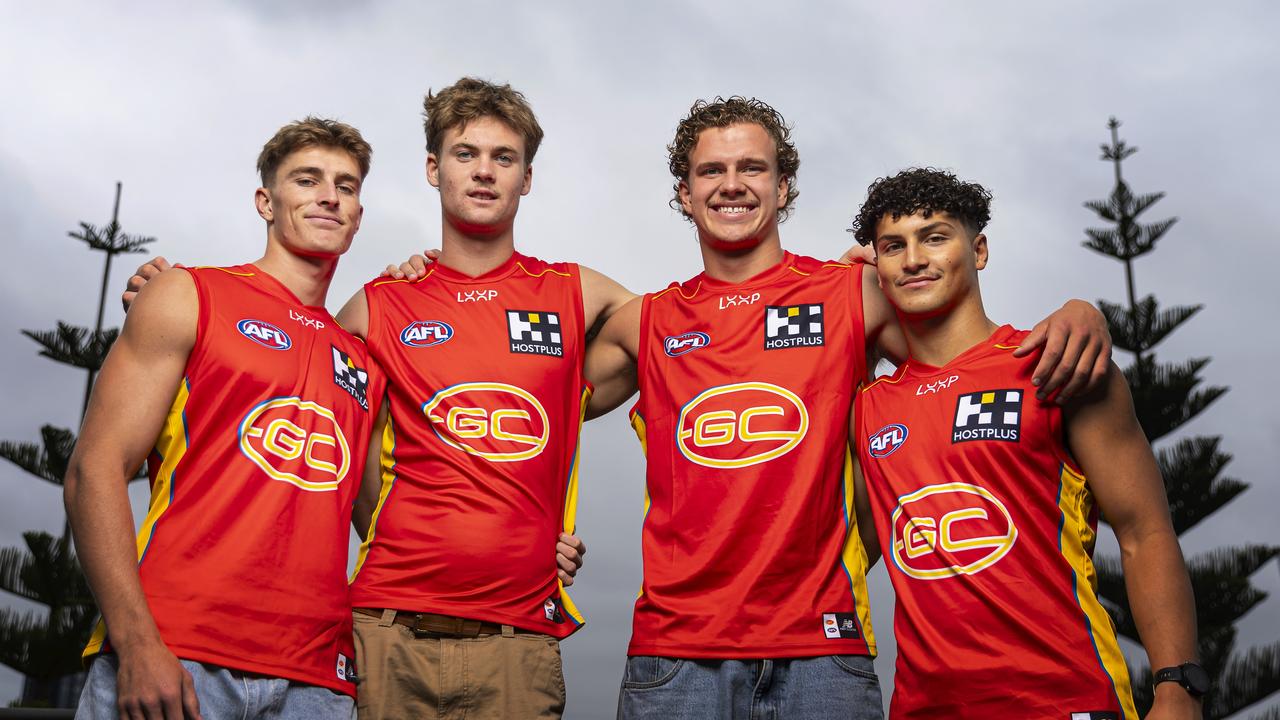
column 504, row 677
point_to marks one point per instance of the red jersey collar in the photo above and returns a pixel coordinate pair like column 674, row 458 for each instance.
column 1001, row 336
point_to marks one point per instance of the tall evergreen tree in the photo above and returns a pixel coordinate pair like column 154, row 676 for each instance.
column 1167, row 396
column 45, row 647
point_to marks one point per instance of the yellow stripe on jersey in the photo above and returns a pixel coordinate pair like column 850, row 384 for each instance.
column 388, row 472
column 1075, row 542
column 854, row 558
column 171, row 446
column 225, row 270
column 544, row 272
column 637, row 423
column 680, row 288
column 571, row 504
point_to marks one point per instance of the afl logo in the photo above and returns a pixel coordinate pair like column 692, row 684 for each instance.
column 941, row 531
column 425, row 333
column 498, row 422
column 886, row 440
column 742, row 424
column 678, row 345
column 265, row 334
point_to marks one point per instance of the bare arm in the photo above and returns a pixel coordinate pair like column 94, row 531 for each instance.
column 1106, row 439
column 371, row 481
column 354, row 316
column 862, row 507
column 126, row 412
column 612, row 360
column 602, row 296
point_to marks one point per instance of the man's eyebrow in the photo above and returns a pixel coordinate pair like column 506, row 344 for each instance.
column 348, row 177
column 936, row 225
column 307, row 170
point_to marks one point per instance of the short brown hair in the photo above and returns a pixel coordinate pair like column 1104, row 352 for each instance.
column 471, row 99
column 312, row 132
column 719, row 113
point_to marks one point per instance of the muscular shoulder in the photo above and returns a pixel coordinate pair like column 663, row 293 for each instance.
column 165, row 314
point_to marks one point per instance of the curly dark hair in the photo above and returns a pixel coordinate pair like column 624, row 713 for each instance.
column 926, row 191
column 723, row 112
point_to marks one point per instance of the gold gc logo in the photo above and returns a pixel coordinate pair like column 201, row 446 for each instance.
column 498, row 422
column 942, row 531
column 742, row 424
column 296, row 441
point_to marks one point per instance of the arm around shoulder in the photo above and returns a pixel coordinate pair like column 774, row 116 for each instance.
column 602, row 296
column 611, row 363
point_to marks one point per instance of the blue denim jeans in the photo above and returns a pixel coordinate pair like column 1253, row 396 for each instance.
column 832, row 686
column 224, row 693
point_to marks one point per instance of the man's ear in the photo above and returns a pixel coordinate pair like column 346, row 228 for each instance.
column 528, row 180
column 784, row 188
column 686, row 199
column 980, row 250
column 262, row 201
column 433, row 170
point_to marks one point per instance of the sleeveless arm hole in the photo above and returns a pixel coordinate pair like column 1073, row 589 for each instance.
column 373, row 328
column 580, row 320
column 642, row 355
column 204, row 317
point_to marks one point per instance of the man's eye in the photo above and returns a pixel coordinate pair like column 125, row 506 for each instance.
column 463, row 155
column 506, row 159
column 348, row 189
column 306, row 182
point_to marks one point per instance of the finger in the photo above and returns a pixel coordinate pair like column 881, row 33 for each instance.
column 160, row 263
column 136, row 282
column 433, row 253
column 565, row 578
column 151, row 270
column 418, row 263
column 1033, row 340
column 393, row 271
column 190, row 703
column 408, row 270
column 126, row 298
column 1080, row 376
column 1065, row 369
column 574, row 541
column 567, row 564
column 566, row 554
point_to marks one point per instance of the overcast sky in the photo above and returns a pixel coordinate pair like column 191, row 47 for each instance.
column 175, row 100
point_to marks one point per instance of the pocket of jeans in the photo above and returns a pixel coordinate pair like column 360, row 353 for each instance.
column 859, row 665
column 645, row 672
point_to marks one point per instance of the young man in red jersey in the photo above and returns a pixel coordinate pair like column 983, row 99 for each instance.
column 255, row 408
column 754, row 599
column 457, row 603
column 986, row 500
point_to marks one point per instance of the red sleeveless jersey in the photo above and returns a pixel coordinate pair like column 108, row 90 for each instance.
column 749, row 544
column 987, row 529
column 243, row 552
column 479, row 459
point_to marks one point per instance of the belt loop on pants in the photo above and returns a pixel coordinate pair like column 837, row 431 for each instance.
column 508, row 631
column 388, row 618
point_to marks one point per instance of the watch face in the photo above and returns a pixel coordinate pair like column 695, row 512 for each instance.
column 1195, row 677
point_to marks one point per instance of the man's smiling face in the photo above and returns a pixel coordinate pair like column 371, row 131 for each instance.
column 734, row 191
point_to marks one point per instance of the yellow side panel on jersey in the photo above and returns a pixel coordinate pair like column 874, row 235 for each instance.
column 171, row 447
column 1075, row 542
column 571, row 503
column 854, row 558
column 388, row 465
column 637, row 423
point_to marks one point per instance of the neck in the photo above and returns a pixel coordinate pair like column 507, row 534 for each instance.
column 306, row 277
column 734, row 266
column 937, row 339
column 474, row 254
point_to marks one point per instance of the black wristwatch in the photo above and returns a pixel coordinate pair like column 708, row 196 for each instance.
column 1189, row 675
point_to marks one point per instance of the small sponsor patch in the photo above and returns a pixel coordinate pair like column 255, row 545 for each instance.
column 346, row 668
column 988, row 415
column 350, row 378
column 477, row 295
column 886, row 440
column 425, row 333
column 788, row 326
column 677, row 345
column 535, row 332
column 935, row 386
column 551, row 609
column 839, row 625
column 1095, row 715
column 265, row 334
